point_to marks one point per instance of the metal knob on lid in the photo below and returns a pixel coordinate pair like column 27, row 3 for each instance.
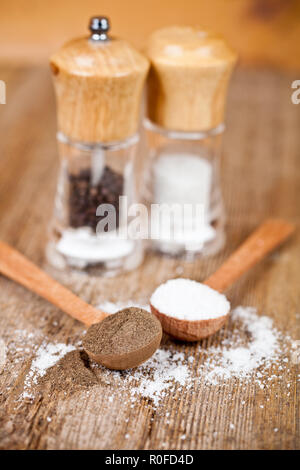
column 98, row 82
column 99, row 27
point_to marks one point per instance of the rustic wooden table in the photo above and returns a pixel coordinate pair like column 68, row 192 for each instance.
column 260, row 177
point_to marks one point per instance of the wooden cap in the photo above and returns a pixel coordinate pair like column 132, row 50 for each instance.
column 98, row 86
column 188, row 80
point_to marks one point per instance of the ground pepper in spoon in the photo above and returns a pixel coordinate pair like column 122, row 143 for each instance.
column 120, row 341
column 130, row 337
column 124, row 339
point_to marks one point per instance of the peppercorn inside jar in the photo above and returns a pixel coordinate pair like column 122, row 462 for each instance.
column 96, row 186
column 98, row 84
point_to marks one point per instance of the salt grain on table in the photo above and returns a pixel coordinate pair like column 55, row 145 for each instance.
column 47, row 356
column 171, row 369
column 2, row 355
column 231, row 359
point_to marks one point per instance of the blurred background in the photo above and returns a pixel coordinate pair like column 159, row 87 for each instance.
column 262, row 31
column 262, row 122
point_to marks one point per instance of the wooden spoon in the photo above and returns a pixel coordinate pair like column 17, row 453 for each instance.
column 18, row 268
column 262, row 241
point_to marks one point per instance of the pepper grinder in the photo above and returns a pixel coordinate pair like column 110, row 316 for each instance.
column 186, row 95
column 98, row 82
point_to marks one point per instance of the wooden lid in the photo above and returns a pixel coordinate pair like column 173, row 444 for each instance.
column 190, row 70
column 98, row 83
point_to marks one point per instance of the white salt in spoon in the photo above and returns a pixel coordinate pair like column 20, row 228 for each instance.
column 189, row 310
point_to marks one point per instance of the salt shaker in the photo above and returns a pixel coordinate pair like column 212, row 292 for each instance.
column 186, row 94
column 98, row 83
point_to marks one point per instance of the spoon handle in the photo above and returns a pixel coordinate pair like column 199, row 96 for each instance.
column 268, row 236
column 18, row 268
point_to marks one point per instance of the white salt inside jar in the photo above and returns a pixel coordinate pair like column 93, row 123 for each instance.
column 184, row 179
column 189, row 300
column 82, row 246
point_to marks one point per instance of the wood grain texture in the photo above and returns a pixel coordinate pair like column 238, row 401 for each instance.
column 98, row 88
column 189, row 77
column 260, row 176
column 268, row 236
column 17, row 267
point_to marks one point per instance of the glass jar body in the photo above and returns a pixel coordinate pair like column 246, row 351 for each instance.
column 182, row 172
column 96, row 185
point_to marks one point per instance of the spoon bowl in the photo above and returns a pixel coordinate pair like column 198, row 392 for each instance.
column 18, row 268
column 188, row 327
column 186, row 330
column 123, row 340
column 131, row 327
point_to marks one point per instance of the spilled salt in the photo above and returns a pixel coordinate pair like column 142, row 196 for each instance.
column 47, row 356
column 246, row 352
column 113, row 307
column 233, row 360
column 153, row 379
column 3, row 356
